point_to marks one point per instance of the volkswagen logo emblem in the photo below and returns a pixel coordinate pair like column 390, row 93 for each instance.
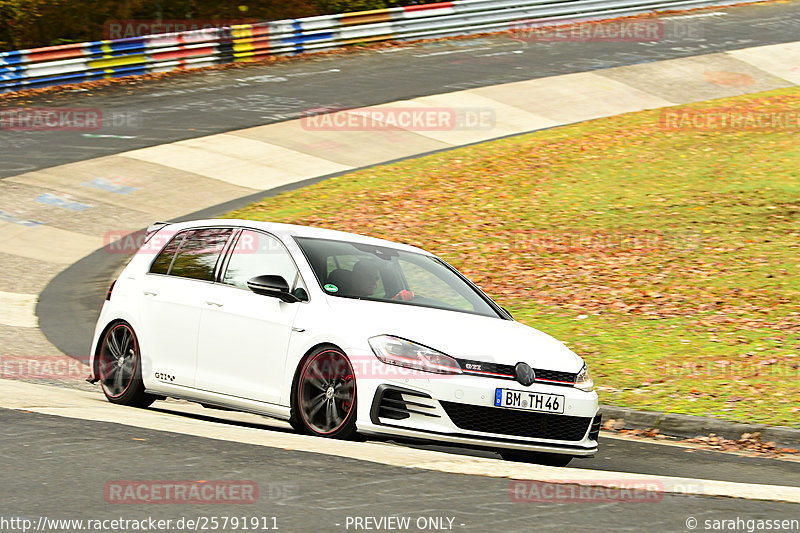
column 524, row 373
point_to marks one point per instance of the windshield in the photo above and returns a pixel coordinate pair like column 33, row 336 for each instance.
column 369, row 272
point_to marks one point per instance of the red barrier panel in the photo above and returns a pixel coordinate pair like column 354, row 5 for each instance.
column 183, row 53
column 52, row 53
column 439, row 5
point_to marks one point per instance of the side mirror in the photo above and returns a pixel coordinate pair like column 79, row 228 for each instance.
column 274, row 286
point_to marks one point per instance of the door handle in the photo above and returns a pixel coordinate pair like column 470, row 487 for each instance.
column 150, row 292
column 212, row 302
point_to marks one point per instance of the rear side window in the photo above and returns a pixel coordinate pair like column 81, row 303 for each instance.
column 193, row 254
column 164, row 260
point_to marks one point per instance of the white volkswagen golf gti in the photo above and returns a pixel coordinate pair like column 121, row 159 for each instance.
column 338, row 334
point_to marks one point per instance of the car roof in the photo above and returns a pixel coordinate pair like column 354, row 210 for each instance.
column 292, row 230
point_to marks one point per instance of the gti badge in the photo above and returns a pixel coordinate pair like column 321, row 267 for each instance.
column 524, row 373
column 164, row 377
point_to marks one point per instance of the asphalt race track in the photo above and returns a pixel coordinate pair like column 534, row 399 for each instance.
column 191, row 106
column 303, row 491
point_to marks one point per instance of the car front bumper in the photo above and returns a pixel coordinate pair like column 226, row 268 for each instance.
column 460, row 410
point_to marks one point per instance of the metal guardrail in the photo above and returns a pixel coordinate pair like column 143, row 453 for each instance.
column 75, row 63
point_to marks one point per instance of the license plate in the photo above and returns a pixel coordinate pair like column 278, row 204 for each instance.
column 530, row 401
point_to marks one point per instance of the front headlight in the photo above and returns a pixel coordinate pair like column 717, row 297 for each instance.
column 583, row 380
column 400, row 352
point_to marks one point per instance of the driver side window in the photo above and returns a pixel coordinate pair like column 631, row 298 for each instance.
column 256, row 254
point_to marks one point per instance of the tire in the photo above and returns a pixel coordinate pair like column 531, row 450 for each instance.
column 324, row 395
column 547, row 459
column 120, row 367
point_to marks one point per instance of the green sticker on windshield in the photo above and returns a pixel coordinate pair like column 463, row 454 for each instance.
column 331, row 288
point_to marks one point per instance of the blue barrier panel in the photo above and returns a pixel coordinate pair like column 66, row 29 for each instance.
column 120, row 47
column 297, row 40
column 119, row 72
column 12, row 73
column 61, row 79
column 300, row 39
column 13, row 58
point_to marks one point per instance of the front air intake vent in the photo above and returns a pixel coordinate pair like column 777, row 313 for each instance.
column 396, row 403
column 594, row 432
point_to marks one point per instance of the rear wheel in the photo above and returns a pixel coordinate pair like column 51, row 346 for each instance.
column 120, row 366
column 324, row 395
column 548, row 459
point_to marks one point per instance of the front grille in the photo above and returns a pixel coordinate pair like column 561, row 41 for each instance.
column 496, row 370
column 554, row 375
column 488, row 369
column 517, row 423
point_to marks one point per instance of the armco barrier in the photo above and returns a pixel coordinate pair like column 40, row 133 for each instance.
column 74, row 63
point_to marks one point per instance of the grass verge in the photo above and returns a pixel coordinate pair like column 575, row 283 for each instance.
column 666, row 256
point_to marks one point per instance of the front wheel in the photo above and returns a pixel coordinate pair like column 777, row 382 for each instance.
column 120, row 365
column 324, row 395
column 547, row 459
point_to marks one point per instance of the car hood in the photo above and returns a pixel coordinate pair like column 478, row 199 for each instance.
column 460, row 335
